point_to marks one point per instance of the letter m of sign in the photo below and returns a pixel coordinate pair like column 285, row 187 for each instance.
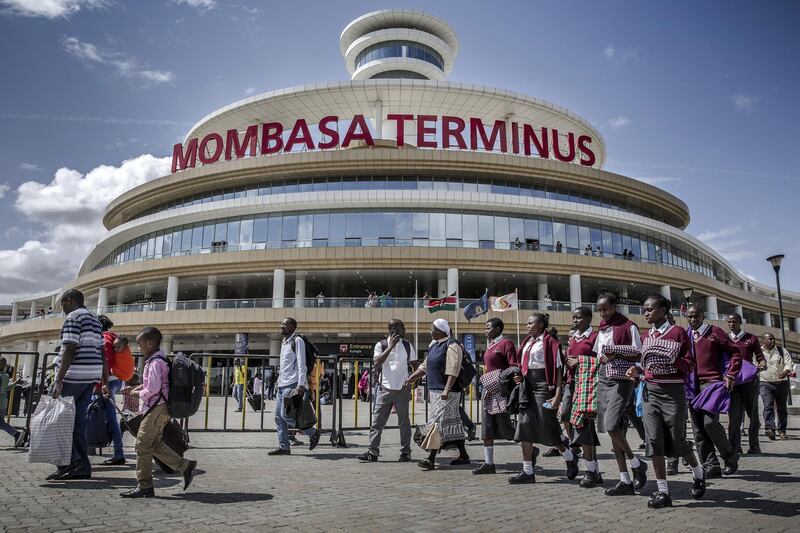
column 184, row 159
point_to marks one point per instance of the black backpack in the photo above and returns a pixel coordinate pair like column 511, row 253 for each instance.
column 98, row 430
column 186, row 386
column 312, row 352
column 468, row 371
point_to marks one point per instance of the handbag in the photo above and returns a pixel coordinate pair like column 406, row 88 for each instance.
column 433, row 440
column 51, row 431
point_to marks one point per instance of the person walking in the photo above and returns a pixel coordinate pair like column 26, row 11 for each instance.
column 239, row 382
column 81, row 365
column 744, row 397
column 542, row 367
column 4, row 385
column 293, row 376
column 393, row 356
column 110, row 391
column 775, row 389
column 441, row 368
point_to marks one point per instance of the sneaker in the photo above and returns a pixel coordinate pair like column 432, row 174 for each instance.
column 672, row 467
column 367, row 457
column 188, row 474
column 591, row 479
column 139, row 493
column 114, row 461
column 460, row 460
column 713, row 472
column 404, row 458
column 659, row 500
column 552, row 452
column 522, row 479
column 294, row 442
column 484, row 468
column 280, row 451
column 572, row 468
column 620, row 489
column 426, row 464
column 314, row 440
column 698, row 487
column 731, row 464
column 639, row 475
column 770, row 433
column 754, row 451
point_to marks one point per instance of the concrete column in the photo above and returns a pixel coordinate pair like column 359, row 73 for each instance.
column 172, row 293
column 53, row 302
column 27, row 364
column 211, row 293
column 14, row 311
column 796, row 324
column 739, row 311
column 452, row 281
column 102, row 300
column 711, row 306
column 140, row 367
column 378, row 122
column 274, row 351
column 509, row 133
column 278, row 287
column 542, row 290
column 575, row 298
column 166, row 344
column 33, row 309
column 767, row 320
column 299, row 291
column 442, row 288
column 666, row 292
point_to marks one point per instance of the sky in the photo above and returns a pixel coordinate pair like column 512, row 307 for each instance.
column 698, row 98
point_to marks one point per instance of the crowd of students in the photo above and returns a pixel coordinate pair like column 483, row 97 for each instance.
column 536, row 393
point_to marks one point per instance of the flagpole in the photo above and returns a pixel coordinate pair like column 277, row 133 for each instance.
column 416, row 316
column 516, row 291
column 457, row 302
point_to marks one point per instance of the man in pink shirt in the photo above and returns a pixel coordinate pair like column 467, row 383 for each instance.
column 154, row 394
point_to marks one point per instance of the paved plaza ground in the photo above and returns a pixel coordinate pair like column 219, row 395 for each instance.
column 240, row 488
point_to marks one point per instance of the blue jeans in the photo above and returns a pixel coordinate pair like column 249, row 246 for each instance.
column 237, row 395
column 11, row 430
column 82, row 393
column 111, row 415
column 283, row 422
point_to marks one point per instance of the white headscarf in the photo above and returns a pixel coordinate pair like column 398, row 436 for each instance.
column 442, row 325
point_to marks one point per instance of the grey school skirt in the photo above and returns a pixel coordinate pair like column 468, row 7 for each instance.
column 613, row 396
column 537, row 424
column 665, row 420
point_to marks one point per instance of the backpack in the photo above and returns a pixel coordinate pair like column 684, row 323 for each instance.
column 98, row 430
column 122, row 364
column 186, row 386
column 468, row 371
column 311, row 354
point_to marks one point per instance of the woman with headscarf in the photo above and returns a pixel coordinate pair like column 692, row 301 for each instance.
column 441, row 368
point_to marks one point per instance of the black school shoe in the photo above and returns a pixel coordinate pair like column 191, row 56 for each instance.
column 460, row 460
column 485, row 468
column 754, row 451
column 731, row 464
column 188, row 474
column 280, row 451
column 522, row 479
column 552, row 452
column 139, row 493
column 591, row 479
column 621, row 489
column 713, row 472
column 770, row 434
column 426, row 464
column 572, row 468
column 672, row 467
column 314, row 440
column 659, row 500
column 639, row 475
column 404, row 458
column 698, row 486
column 367, row 457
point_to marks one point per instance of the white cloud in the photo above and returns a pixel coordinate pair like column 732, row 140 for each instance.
column 610, row 51
column 3, row 190
column 250, row 90
column 104, row 120
column 48, row 8
column 70, row 209
column 620, row 121
column 728, row 243
column 123, row 65
column 619, row 55
column 28, row 166
column 201, row 4
column 744, row 102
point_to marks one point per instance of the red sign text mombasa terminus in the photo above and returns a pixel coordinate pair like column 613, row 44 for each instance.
column 269, row 140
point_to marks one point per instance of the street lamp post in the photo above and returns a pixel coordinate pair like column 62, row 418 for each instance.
column 776, row 266
column 687, row 295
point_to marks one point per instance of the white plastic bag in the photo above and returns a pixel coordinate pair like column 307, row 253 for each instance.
column 51, row 431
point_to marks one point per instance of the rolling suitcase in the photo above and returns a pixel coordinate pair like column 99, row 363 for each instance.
column 256, row 402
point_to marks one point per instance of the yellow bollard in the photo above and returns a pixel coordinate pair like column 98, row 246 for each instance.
column 244, row 393
column 208, row 390
column 356, row 379
column 318, row 376
column 413, row 404
column 470, row 401
column 11, row 394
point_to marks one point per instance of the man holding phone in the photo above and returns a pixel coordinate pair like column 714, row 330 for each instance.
column 392, row 356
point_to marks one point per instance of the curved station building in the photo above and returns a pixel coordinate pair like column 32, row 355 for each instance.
column 302, row 201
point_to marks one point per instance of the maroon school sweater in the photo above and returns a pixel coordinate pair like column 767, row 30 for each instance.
column 708, row 350
column 749, row 347
column 582, row 346
column 500, row 355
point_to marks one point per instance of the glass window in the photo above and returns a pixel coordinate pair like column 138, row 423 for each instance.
column 437, row 226
column 403, row 230
column 304, row 227
column 233, row 232
column 470, row 227
column 246, row 231
column 546, row 232
column 274, row 230
column 159, row 244
column 369, row 226
column 516, row 229
column 420, row 226
column 608, row 243
column 186, row 239
column 470, row 185
column 453, row 224
column 531, row 229
column 321, row 228
column 337, row 225
column 220, row 230
column 260, row 229
column 289, row 232
column 353, row 225
column 573, row 242
column 386, row 226
column 616, row 239
column 559, row 233
column 486, row 228
column 584, row 237
column 197, row 237
column 501, row 234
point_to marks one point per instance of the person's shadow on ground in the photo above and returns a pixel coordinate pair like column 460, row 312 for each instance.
column 751, row 501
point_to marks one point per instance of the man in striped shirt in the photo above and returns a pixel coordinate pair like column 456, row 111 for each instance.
column 82, row 365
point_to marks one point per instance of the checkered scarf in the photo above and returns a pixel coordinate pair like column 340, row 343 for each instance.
column 659, row 355
column 625, row 354
column 584, row 398
column 494, row 400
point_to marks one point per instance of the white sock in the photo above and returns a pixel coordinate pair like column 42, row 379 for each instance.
column 591, row 466
column 567, row 455
column 698, row 472
column 488, row 454
column 527, row 467
column 662, row 486
column 625, row 478
column 634, row 462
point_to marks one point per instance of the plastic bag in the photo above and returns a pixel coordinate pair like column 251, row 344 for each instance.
column 640, row 399
column 51, row 431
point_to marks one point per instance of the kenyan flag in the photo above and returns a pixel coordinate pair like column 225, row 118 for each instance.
column 441, row 304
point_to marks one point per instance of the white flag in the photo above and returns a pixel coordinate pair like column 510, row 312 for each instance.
column 507, row 302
